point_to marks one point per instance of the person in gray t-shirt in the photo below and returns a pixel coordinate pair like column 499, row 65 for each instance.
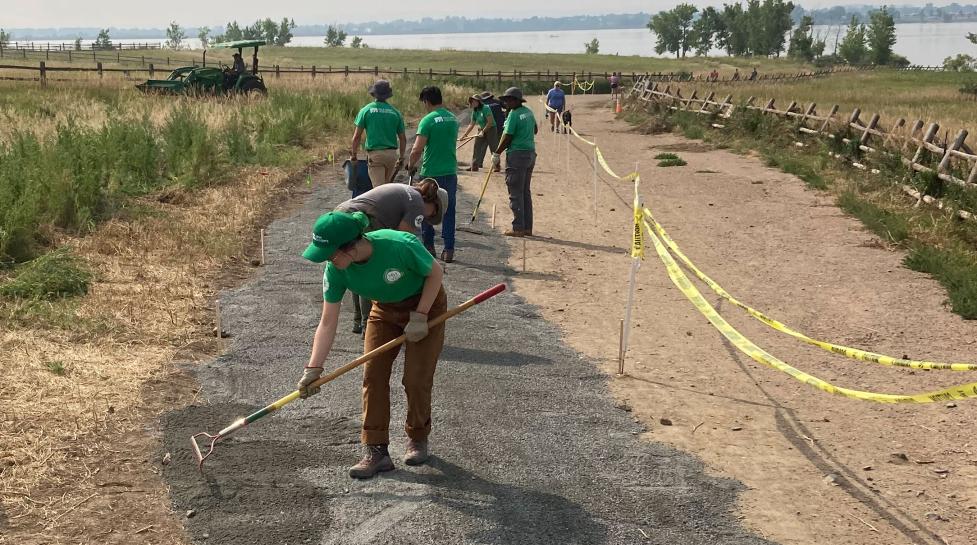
column 400, row 207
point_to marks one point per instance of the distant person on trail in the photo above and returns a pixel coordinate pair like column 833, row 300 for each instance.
column 519, row 143
column 393, row 269
column 714, row 75
column 487, row 137
column 400, row 207
column 736, row 75
column 753, row 74
column 386, row 141
column 615, row 81
column 556, row 99
column 434, row 156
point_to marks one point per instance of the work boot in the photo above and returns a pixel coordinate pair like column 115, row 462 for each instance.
column 448, row 256
column 357, row 326
column 515, row 233
column 472, row 168
column 375, row 459
column 416, row 453
column 431, row 250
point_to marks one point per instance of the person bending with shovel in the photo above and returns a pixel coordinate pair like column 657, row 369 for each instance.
column 396, row 206
column 393, row 269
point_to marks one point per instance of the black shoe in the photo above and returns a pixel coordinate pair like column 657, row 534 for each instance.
column 430, row 248
column 357, row 327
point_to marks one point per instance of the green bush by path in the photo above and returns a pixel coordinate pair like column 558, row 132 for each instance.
column 955, row 270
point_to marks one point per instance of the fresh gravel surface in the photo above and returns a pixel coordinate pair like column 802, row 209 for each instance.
column 528, row 445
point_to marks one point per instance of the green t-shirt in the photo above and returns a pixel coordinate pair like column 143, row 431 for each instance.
column 441, row 129
column 521, row 124
column 395, row 271
column 382, row 123
column 482, row 115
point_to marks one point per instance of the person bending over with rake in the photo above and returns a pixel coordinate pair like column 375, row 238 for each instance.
column 393, row 269
column 395, row 206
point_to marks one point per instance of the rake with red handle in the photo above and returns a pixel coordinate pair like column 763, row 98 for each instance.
column 242, row 422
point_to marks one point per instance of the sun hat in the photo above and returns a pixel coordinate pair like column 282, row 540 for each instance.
column 486, row 95
column 381, row 90
column 333, row 230
column 513, row 92
column 477, row 97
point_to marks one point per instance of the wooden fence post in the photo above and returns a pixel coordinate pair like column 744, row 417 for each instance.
column 867, row 133
column 278, row 71
column 930, row 131
column 152, row 71
column 948, row 154
column 204, row 62
column 500, row 76
column 376, row 71
column 98, row 66
column 313, row 71
column 827, row 120
column 43, row 76
column 917, row 126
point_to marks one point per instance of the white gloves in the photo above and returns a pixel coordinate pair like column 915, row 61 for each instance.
column 310, row 375
column 417, row 327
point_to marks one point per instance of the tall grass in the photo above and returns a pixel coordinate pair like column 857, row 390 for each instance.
column 69, row 158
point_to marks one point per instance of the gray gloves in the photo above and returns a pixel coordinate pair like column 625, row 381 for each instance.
column 417, row 327
column 310, row 375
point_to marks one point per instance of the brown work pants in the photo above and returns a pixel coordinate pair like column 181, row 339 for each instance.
column 380, row 164
column 387, row 322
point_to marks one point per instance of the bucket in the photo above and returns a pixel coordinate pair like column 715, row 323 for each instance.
column 358, row 178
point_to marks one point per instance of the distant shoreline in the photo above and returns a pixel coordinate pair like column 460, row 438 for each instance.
column 70, row 34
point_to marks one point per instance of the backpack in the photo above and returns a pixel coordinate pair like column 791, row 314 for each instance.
column 497, row 112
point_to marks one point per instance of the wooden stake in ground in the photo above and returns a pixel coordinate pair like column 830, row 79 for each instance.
column 620, row 350
column 493, row 216
column 595, row 182
column 217, row 308
column 523, row 255
column 261, row 259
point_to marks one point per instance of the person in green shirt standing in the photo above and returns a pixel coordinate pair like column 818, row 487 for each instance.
column 385, row 135
column 434, row 156
column 487, row 137
column 395, row 271
column 519, row 143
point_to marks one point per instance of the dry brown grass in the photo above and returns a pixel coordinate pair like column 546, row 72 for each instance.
column 152, row 302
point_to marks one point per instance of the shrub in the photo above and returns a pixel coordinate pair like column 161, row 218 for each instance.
column 955, row 270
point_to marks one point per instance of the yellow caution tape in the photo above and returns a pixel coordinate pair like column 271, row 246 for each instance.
column 637, row 239
column 584, row 85
column 849, row 352
column 607, row 168
column 963, row 391
column 566, row 127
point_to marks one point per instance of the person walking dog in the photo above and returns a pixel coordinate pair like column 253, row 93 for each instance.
column 394, row 269
column 433, row 155
column 487, row 137
column 400, row 207
column 386, row 140
column 519, row 143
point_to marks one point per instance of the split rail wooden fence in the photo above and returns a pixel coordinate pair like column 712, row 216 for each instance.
column 913, row 143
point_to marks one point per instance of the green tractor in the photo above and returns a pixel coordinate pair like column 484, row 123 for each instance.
column 222, row 80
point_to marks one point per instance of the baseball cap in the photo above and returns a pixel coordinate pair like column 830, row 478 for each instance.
column 333, row 230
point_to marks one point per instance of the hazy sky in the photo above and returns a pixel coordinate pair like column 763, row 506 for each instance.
column 134, row 13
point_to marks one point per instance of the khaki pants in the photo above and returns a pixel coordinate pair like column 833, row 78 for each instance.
column 381, row 164
column 387, row 322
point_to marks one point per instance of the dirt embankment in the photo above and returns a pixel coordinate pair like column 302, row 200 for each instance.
column 819, row 468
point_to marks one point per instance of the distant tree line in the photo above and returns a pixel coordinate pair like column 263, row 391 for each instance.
column 900, row 14
column 267, row 30
column 759, row 28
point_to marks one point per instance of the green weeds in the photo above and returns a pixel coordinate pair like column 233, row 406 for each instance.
column 54, row 275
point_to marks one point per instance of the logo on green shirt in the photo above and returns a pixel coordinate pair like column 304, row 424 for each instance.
column 391, row 276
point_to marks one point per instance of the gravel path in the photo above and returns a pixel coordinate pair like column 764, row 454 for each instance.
column 529, row 447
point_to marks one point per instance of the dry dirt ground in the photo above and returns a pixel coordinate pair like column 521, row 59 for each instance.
column 819, row 468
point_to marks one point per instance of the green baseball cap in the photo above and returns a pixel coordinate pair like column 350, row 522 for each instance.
column 333, row 230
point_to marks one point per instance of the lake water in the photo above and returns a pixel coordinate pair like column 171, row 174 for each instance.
column 922, row 43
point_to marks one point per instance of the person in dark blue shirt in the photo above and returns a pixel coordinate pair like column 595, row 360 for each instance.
column 555, row 99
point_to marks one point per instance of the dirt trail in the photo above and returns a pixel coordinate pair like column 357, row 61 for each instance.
column 819, row 468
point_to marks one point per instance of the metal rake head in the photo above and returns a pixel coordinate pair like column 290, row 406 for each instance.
column 196, row 447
